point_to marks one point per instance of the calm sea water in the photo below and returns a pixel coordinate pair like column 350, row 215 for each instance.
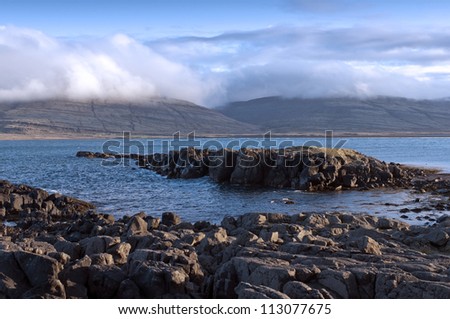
column 120, row 190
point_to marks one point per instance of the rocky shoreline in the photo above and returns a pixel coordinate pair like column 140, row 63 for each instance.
column 309, row 169
column 62, row 248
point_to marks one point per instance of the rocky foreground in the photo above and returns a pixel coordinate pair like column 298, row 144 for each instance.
column 303, row 168
column 62, row 248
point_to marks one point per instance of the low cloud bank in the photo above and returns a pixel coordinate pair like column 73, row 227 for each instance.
column 284, row 61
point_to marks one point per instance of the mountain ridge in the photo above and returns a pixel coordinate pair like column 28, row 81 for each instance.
column 346, row 116
column 379, row 115
column 157, row 116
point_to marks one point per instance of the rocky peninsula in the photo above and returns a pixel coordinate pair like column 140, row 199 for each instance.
column 303, row 168
column 54, row 246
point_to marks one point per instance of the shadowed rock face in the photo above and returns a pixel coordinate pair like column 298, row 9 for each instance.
column 306, row 255
column 84, row 118
column 382, row 115
column 304, row 168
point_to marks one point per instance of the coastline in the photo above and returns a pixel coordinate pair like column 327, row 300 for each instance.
column 81, row 253
column 31, row 137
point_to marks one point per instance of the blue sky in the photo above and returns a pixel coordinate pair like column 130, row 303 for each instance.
column 156, row 18
column 141, row 18
column 212, row 52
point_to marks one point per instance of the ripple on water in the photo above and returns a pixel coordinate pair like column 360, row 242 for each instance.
column 52, row 165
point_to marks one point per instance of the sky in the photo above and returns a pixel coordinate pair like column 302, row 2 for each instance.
column 213, row 52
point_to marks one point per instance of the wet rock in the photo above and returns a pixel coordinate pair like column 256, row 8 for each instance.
column 249, row 169
column 283, row 171
column 192, row 171
column 221, row 165
column 85, row 154
column 349, row 181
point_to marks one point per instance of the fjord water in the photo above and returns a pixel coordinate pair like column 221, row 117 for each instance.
column 120, row 190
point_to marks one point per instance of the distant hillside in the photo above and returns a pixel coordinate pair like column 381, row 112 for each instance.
column 382, row 115
column 98, row 118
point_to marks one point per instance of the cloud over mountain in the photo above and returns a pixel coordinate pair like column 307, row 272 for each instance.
column 37, row 66
column 282, row 60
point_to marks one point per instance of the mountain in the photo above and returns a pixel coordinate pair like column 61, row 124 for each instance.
column 158, row 116
column 353, row 116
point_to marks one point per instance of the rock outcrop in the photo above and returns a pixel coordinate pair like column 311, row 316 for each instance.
column 304, row 168
column 28, row 205
column 83, row 254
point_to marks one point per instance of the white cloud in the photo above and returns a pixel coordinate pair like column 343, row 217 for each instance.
column 35, row 66
column 286, row 61
column 315, row 62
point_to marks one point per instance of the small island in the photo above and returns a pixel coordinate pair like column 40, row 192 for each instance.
column 302, row 168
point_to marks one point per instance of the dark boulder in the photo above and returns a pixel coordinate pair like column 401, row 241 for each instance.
column 222, row 164
column 249, row 168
